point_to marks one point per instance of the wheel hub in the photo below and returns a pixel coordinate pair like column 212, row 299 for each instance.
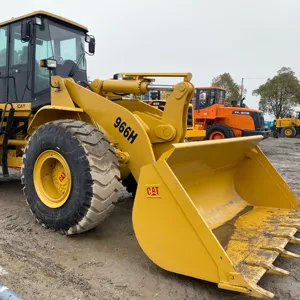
column 217, row 135
column 52, row 178
column 288, row 132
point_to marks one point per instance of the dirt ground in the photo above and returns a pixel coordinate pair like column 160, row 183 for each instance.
column 107, row 262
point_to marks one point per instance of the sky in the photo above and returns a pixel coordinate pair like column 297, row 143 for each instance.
column 250, row 39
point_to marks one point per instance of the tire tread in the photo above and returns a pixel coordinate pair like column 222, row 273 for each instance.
column 105, row 178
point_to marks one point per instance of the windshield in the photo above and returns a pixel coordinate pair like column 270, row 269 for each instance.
column 203, row 95
column 60, row 42
column 220, row 96
column 298, row 115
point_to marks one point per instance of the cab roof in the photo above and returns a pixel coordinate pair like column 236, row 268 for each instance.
column 44, row 13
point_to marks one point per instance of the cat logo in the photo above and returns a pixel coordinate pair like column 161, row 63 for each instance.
column 21, row 105
column 153, row 191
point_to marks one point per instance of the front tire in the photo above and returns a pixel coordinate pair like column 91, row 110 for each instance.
column 218, row 132
column 70, row 175
column 289, row 131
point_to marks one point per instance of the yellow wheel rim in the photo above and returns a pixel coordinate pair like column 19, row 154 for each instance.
column 288, row 132
column 52, row 179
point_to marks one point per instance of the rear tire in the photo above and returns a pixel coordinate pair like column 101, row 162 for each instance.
column 93, row 168
column 219, row 131
column 289, row 132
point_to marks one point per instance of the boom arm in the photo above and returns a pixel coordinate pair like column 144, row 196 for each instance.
column 142, row 134
column 135, row 83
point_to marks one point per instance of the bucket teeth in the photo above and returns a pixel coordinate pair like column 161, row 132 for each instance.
column 282, row 252
column 294, row 240
column 253, row 274
column 294, row 215
column 292, row 223
column 258, row 238
column 263, row 293
column 264, row 258
column 278, row 245
column 284, row 233
column 271, row 269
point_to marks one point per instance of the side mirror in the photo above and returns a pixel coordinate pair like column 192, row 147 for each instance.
column 25, row 32
column 92, row 43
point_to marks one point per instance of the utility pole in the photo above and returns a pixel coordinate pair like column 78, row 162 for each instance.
column 248, row 78
column 242, row 88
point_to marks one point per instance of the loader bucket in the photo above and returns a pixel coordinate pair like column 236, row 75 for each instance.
column 218, row 211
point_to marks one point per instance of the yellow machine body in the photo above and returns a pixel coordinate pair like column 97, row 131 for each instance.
column 285, row 122
column 214, row 210
column 222, row 218
column 289, row 127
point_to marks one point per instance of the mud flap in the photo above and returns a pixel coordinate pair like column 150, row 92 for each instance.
column 218, row 211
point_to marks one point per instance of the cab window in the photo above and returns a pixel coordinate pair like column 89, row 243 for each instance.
column 220, row 97
column 202, row 98
column 3, row 47
column 67, row 49
column 18, row 49
column 212, row 97
column 61, row 43
column 194, row 98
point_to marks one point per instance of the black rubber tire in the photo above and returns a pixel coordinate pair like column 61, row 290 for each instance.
column 94, row 170
column 130, row 184
column 294, row 131
column 226, row 130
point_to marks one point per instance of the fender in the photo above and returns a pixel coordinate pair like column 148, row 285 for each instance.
column 52, row 112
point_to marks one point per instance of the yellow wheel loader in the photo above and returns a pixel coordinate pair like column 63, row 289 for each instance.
column 288, row 127
column 213, row 210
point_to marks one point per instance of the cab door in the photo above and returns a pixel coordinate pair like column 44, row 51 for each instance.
column 19, row 73
column 3, row 63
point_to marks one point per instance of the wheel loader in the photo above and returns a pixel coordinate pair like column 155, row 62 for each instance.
column 288, row 127
column 214, row 210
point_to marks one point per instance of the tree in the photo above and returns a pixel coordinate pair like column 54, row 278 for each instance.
column 232, row 89
column 279, row 95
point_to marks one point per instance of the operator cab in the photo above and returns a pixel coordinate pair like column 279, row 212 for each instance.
column 205, row 97
column 27, row 40
column 298, row 115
